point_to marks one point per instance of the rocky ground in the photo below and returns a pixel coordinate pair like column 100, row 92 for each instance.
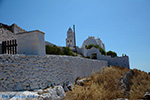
column 52, row 93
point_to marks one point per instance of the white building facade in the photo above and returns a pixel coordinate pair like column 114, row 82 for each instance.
column 91, row 40
column 20, row 41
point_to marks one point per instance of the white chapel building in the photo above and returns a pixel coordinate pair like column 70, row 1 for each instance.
column 114, row 61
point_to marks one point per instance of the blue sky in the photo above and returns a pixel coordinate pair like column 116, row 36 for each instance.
column 123, row 25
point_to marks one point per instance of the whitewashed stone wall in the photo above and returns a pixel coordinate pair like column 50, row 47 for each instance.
column 6, row 35
column 9, row 34
column 20, row 72
column 17, row 29
column 112, row 61
column 0, row 48
column 31, row 43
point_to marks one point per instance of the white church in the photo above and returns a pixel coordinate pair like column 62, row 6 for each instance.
column 71, row 43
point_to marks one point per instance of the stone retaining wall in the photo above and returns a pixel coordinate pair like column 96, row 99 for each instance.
column 20, row 72
column 0, row 48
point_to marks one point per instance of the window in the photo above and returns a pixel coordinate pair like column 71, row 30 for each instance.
column 94, row 56
column 70, row 42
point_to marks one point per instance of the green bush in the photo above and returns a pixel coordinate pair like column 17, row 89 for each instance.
column 53, row 50
column 87, row 57
column 112, row 54
column 91, row 45
column 57, row 51
column 96, row 46
column 103, row 52
column 67, row 51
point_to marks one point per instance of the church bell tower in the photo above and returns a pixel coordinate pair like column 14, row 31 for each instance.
column 70, row 40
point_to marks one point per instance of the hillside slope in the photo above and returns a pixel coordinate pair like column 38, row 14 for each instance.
column 112, row 83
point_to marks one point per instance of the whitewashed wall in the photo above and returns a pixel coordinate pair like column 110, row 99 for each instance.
column 20, row 72
column 112, row 61
column 17, row 29
column 6, row 35
column 0, row 48
column 31, row 43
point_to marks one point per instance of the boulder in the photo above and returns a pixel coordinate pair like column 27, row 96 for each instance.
column 65, row 88
column 121, row 99
column 46, row 96
column 53, row 93
column 40, row 91
column 60, row 91
column 147, row 95
column 81, row 81
column 69, row 85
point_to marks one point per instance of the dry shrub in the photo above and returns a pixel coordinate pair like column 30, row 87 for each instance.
column 102, row 86
column 140, row 84
column 106, row 85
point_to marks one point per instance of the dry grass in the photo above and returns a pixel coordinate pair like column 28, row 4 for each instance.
column 140, row 84
column 105, row 85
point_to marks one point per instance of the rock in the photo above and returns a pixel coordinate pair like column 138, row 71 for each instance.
column 46, row 96
column 40, row 91
column 81, row 81
column 60, row 91
column 55, row 93
column 121, row 99
column 40, row 98
column 69, row 85
column 65, row 88
column 125, row 82
column 147, row 95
